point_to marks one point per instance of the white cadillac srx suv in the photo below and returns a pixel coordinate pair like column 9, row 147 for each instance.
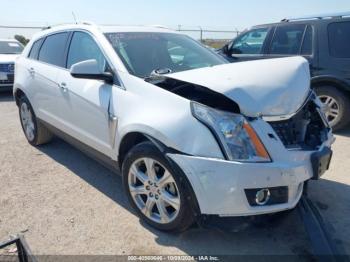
column 191, row 134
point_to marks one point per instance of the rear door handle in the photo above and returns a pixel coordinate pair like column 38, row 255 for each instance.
column 63, row 86
column 31, row 71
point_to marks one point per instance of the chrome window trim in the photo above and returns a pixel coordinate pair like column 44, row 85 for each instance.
column 72, row 30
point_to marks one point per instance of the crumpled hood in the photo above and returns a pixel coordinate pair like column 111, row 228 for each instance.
column 269, row 87
column 8, row 58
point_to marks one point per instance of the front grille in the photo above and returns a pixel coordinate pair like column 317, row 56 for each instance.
column 7, row 68
column 10, row 80
column 305, row 130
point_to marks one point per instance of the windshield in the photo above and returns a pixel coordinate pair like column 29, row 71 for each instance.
column 143, row 53
column 10, row 47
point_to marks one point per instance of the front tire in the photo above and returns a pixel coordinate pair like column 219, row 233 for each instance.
column 35, row 132
column 337, row 106
column 156, row 190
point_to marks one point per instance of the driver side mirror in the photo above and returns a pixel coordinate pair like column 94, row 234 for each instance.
column 225, row 49
column 89, row 69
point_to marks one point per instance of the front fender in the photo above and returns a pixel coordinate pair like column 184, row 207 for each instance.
column 147, row 131
column 152, row 111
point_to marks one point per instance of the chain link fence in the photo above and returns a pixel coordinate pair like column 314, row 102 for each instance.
column 212, row 37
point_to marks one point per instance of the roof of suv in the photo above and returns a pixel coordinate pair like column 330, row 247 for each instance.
column 312, row 19
column 105, row 29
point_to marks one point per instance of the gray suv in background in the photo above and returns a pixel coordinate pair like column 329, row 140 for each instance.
column 322, row 40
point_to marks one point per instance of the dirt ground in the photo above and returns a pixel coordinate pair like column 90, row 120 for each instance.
column 67, row 204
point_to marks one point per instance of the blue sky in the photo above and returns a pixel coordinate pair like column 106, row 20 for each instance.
column 223, row 14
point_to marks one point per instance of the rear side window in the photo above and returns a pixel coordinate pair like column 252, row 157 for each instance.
column 53, row 49
column 34, row 52
column 339, row 39
column 287, row 40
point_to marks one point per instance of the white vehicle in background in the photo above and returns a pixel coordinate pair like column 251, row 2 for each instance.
column 9, row 51
column 192, row 134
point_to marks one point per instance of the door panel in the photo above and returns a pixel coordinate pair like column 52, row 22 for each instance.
column 84, row 105
column 45, row 91
column 44, row 69
column 85, row 102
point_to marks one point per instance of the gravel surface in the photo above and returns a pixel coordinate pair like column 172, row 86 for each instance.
column 66, row 203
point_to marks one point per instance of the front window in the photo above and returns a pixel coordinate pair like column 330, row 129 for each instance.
column 83, row 47
column 143, row 53
column 251, row 42
column 10, row 47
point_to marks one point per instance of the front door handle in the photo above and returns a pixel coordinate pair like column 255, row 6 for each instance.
column 63, row 86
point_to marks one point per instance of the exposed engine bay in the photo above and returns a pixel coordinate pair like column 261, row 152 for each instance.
column 195, row 92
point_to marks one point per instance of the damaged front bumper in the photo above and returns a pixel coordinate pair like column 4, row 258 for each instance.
column 228, row 188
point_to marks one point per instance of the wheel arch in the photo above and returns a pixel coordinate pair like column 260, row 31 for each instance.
column 127, row 142
column 131, row 139
column 17, row 94
column 330, row 81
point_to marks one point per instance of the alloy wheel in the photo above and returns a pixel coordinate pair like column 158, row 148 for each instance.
column 27, row 122
column 154, row 190
column 331, row 108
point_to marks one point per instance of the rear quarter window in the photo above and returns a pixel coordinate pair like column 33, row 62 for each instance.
column 53, row 49
column 339, row 39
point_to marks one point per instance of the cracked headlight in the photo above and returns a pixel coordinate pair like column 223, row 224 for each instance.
column 236, row 137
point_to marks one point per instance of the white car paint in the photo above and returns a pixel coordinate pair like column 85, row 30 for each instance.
column 263, row 87
column 83, row 108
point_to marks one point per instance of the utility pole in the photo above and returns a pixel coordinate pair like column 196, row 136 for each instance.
column 201, row 33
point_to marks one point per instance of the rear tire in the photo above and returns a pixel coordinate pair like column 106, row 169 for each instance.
column 35, row 132
column 153, row 194
column 338, row 106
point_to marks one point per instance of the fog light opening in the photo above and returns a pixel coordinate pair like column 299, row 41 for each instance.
column 262, row 196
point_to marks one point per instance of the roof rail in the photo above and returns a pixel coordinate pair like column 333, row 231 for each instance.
column 87, row 23
column 160, row 26
column 54, row 25
column 321, row 16
column 78, row 23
